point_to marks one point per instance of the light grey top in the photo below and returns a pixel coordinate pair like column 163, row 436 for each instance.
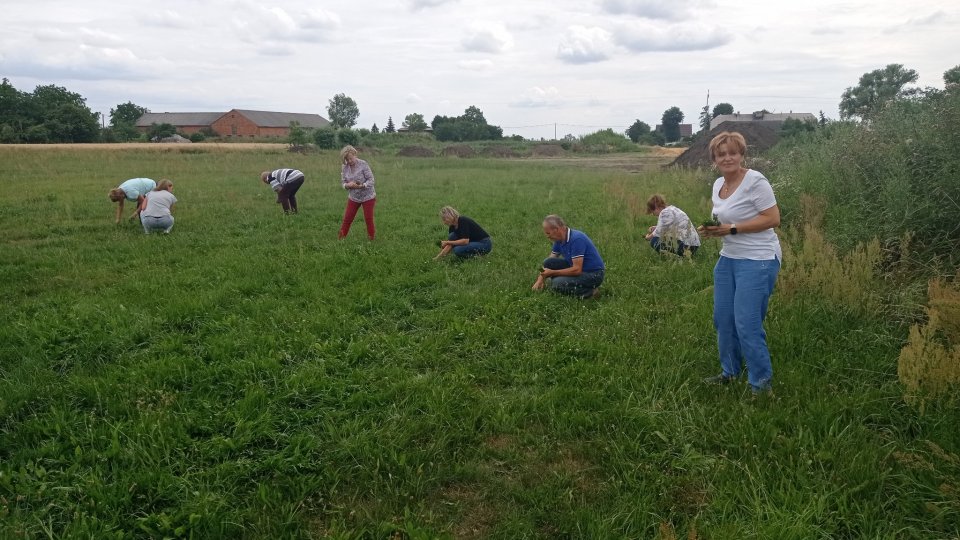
column 158, row 204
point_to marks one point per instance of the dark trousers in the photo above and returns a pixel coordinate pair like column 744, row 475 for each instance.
column 582, row 285
column 350, row 213
column 287, row 196
column 472, row 249
column 675, row 246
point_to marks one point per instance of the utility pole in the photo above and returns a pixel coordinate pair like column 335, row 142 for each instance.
column 554, row 131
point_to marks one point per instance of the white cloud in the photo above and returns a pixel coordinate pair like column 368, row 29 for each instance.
column 259, row 24
column 424, row 4
column 583, row 45
column 476, row 65
column 165, row 19
column 488, row 37
column 676, row 10
column 83, row 35
column 914, row 22
column 78, row 63
column 647, row 37
column 538, row 97
column 414, row 98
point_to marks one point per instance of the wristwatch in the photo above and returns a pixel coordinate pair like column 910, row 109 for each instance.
column 733, row 228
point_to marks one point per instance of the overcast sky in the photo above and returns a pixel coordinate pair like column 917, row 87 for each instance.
column 583, row 64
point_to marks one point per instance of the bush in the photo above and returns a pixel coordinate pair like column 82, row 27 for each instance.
column 325, row 138
column 605, row 141
column 197, row 137
column 348, row 136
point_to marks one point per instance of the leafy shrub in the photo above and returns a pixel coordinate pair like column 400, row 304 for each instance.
column 197, row 137
column 606, row 141
column 325, row 138
column 347, row 136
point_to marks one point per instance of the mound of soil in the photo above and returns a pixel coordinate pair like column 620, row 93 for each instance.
column 459, row 150
column 551, row 150
column 500, row 152
column 415, row 151
column 760, row 138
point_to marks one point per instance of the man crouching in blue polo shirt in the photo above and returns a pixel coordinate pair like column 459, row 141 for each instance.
column 580, row 270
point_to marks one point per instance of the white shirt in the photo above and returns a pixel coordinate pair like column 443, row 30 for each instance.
column 752, row 197
column 674, row 223
column 158, row 204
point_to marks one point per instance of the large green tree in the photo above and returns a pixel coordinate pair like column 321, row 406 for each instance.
column 638, row 130
column 670, row 124
column 470, row 126
column 721, row 108
column 49, row 114
column 951, row 76
column 123, row 120
column 414, row 122
column 875, row 89
column 343, row 111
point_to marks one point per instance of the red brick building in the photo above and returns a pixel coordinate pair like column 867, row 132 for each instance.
column 235, row 123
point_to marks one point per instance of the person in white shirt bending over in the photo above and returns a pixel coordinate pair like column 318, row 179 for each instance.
column 673, row 231
column 156, row 211
column 744, row 277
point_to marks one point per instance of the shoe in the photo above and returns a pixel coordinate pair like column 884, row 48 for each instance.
column 592, row 294
column 758, row 391
column 720, row 379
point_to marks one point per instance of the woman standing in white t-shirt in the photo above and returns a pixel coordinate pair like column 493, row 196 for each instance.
column 744, row 277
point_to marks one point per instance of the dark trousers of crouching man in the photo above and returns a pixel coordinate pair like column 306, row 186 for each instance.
column 582, row 285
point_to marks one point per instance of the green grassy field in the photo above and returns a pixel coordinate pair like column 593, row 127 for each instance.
column 249, row 376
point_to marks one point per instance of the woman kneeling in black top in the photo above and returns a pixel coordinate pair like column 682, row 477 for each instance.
column 466, row 238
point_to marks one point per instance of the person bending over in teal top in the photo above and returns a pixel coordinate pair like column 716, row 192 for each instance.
column 465, row 237
column 574, row 266
column 134, row 189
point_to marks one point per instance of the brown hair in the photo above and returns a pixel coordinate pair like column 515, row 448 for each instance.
column 163, row 185
column 654, row 202
column 733, row 141
column 116, row 194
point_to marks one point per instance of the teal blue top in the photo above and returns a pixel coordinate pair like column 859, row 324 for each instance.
column 136, row 187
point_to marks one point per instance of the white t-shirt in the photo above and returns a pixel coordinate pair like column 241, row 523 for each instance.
column 752, row 197
column 158, row 204
column 674, row 223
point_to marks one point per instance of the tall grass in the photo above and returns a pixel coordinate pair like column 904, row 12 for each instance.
column 249, row 376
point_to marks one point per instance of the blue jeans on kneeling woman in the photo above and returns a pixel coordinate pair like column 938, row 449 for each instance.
column 481, row 247
column 582, row 285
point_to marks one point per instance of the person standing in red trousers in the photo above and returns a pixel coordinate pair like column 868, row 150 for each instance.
column 357, row 179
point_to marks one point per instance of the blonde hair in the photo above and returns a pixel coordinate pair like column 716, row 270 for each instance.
column 554, row 221
column 345, row 151
column 264, row 176
column 163, row 185
column 654, row 202
column 728, row 138
column 449, row 214
column 116, row 194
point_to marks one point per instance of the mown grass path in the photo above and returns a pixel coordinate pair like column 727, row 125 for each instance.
column 249, row 376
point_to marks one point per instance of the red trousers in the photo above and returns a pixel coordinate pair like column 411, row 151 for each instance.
column 351, row 212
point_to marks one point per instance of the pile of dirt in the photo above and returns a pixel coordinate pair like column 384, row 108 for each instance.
column 459, row 150
column 759, row 137
column 500, row 152
column 550, row 150
column 415, row 151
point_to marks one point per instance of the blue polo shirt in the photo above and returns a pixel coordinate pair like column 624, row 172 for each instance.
column 576, row 245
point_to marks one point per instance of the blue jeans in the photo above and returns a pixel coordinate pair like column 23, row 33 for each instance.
column 582, row 285
column 741, row 291
column 656, row 244
column 151, row 224
column 472, row 249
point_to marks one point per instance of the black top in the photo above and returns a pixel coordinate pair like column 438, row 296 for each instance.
column 469, row 229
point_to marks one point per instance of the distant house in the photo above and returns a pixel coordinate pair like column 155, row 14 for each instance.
column 686, row 130
column 771, row 120
column 234, row 123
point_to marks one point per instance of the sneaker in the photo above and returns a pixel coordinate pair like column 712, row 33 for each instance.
column 720, row 379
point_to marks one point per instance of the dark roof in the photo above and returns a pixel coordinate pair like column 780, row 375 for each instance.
column 179, row 118
column 282, row 119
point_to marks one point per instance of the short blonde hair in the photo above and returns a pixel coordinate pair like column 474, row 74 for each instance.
column 449, row 214
column 654, row 202
column 116, row 194
column 346, row 151
column 264, row 176
column 163, row 185
column 728, row 138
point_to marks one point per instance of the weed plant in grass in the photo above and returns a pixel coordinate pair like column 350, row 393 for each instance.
column 249, row 376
